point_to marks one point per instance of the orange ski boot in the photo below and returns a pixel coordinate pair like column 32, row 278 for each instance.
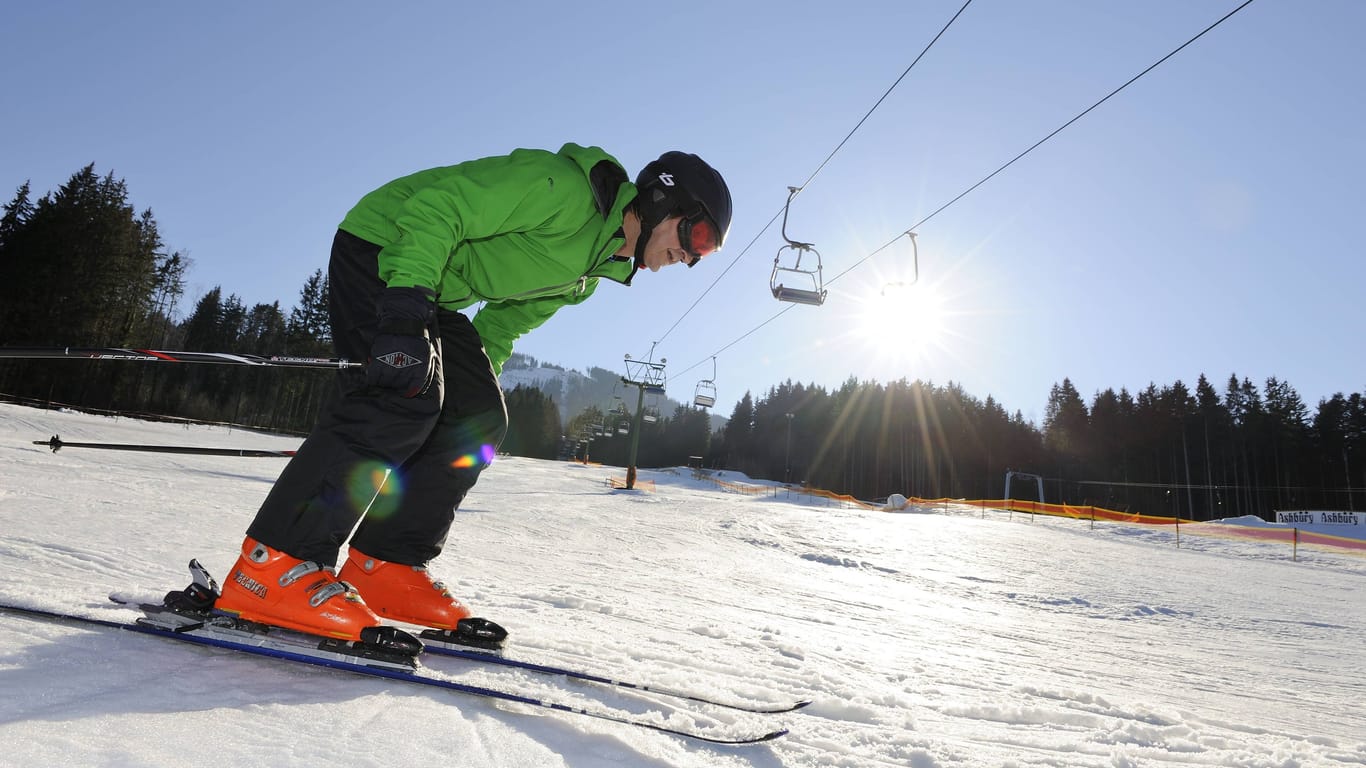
column 403, row 592
column 271, row 587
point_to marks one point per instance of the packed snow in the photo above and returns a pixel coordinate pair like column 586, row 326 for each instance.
column 938, row 636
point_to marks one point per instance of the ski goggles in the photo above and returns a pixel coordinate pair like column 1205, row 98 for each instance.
column 698, row 235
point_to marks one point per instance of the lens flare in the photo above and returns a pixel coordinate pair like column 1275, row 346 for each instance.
column 374, row 489
column 483, row 457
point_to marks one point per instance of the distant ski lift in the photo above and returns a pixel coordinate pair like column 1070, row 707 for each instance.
column 705, row 395
column 783, row 275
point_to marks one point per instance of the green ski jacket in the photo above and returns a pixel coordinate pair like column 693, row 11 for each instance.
column 525, row 233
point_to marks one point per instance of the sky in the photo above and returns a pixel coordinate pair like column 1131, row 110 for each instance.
column 941, row 637
column 1199, row 222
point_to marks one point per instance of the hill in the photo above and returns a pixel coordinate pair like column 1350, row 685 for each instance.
column 940, row 637
column 573, row 391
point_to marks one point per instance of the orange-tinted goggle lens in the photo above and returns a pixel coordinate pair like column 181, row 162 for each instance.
column 699, row 237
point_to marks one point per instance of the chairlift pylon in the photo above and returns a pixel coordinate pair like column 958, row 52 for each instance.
column 815, row 296
column 646, row 374
column 705, row 395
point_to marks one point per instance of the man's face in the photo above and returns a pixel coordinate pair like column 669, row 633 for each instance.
column 663, row 247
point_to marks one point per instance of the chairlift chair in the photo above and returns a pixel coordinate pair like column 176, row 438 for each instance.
column 650, row 413
column 814, row 296
column 777, row 282
column 705, row 394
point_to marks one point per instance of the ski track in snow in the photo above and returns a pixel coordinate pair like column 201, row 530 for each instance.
column 939, row 637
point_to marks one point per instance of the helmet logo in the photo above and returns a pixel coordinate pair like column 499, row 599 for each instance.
column 667, row 178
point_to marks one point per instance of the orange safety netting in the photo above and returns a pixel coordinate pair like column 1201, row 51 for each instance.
column 1292, row 536
column 1288, row 535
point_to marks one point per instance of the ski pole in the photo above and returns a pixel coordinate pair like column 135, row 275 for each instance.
column 57, row 444
column 157, row 355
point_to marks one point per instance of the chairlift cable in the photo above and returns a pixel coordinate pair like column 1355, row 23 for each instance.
column 1055, row 132
column 970, row 189
column 819, row 168
column 883, row 98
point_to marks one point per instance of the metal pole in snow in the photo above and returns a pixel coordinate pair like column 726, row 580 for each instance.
column 56, row 444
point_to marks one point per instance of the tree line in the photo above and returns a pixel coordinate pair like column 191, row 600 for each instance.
column 81, row 267
column 1166, row 451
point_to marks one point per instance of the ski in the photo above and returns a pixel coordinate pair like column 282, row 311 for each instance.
column 444, row 644
column 434, row 646
column 186, row 629
column 475, row 639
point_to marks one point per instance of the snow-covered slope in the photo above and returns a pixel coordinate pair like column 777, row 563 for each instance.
column 931, row 638
column 552, row 381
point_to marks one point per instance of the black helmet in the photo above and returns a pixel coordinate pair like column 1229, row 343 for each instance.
column 679, row 183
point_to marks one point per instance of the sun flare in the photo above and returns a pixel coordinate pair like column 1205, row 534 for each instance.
column 903, row 322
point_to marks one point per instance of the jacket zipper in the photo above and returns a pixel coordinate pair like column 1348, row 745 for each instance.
column 553, row 290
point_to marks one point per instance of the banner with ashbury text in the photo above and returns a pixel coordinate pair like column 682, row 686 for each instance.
column 1320, row 517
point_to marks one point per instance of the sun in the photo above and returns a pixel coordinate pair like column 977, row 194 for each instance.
column 903, row 322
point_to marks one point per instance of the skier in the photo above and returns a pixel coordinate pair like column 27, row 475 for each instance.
column 398, row 445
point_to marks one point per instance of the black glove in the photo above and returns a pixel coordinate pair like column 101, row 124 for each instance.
column 401, row 356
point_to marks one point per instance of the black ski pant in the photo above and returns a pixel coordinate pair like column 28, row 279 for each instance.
column 398, row 466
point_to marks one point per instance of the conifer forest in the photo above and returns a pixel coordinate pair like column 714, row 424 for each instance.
column 81, row 267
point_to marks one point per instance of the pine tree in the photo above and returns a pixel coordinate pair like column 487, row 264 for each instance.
column 533, row 424
column 168, row 287
column 739, row 435
column 203, row 327
column 686, row 433
column 309, row 327
column 78, row 266
column 13, row 226
column 1066, row 425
